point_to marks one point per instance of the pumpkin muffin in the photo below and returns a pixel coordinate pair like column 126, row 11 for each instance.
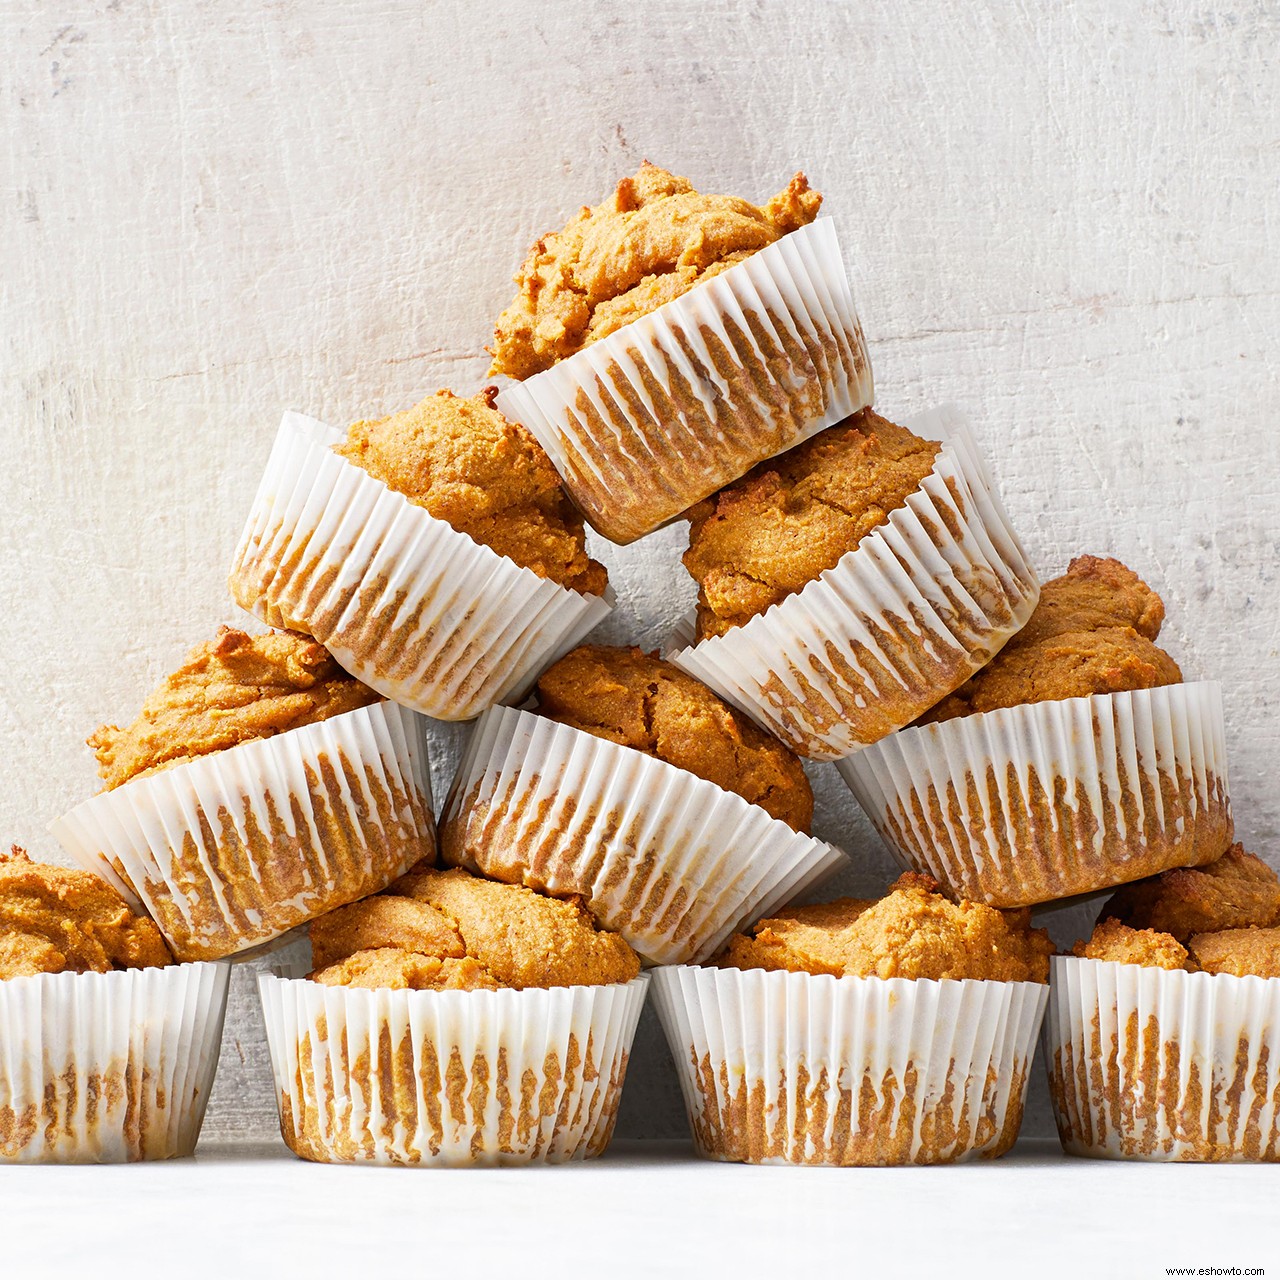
column 462, row 461
column 763, row 537
column 651, row 241
column 449, row 930
column 259, row 786
column 1076, row 760
column 892, row 1031
column 640, row 701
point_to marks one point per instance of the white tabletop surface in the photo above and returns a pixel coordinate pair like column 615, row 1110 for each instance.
column 645, row 1209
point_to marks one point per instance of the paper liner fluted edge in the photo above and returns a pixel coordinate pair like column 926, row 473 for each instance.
column 650, row 419
column 920, row 604
column 108, row 1067
column 1048, row 800
column 672, row 862
column 1163, row 1065
column 463, row 1078
column 232, row 849
column 422, row 613
column 797, row 1068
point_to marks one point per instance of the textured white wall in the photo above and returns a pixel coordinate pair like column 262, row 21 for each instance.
column 1062, row 217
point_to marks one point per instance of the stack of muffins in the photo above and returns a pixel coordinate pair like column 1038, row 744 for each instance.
column 862, row 599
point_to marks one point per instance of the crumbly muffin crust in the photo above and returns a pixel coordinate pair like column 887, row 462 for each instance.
column 230, row 690
column 912, row 932
column 640, row 701
column 1238, row 891
column 466, row 464
column 763, row 537
column 1119, row 944
column 1093, row 631
column 57, row 919
column 450, row 930
column 651, row 241
column 1241, row 952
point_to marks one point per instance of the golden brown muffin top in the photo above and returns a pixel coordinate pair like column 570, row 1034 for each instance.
column 57, row 920
column 462, row 461
column 1236, row 891
column 912, row 932
column 1241, row 952
column 652, row 240
column 638, row 700
column 229, row 690
column 1119, row 944
column 1091, row 632
column 787, row 520
column 451, row 930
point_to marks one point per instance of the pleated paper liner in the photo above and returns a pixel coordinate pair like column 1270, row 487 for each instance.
column 1033, row 803
column 415, row 609
column 448, row 1078
column 233, row 849
column 675, row 405
column 804, row 1069
column 670, row 861
column 1155, row 1064
column 108, row 1067
column 919, row 605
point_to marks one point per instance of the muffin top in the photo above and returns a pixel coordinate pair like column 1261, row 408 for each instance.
column 652, row 240
column 1237, row 891
column 449, row 930
column 1220, row 918
column 765, row 536
column 1091, row 632
column 639, row 701
column 58, row 920
column 230, row 690
column 912, row 932
column 462, row 461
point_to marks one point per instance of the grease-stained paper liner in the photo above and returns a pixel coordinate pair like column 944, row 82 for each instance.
column 233, row 849
column 919, row 605
column 670, row 861
column 403, row 601
column 1156, row 1064
column 798, row 1068
column 441, row 1078
column 108, row 1067
column 675, row 405
column 1043, row 801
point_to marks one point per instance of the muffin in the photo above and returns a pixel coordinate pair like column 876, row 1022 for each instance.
column 433, row 552
column 260, row 785
column 1076, row 760
column 846, row 586
column 454, row 1021
column 666, row 340
column 884, row 1032
column 633, row 785
column 1163, row 1035
column 119, row 1044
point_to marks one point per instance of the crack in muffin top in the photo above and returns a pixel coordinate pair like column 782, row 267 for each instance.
column 230, row 690
column 651, row 241
column 487, row 477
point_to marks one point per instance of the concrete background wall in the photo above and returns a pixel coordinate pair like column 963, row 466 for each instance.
column 1062, row 217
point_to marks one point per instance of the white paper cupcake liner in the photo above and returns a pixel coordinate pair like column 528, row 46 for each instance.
column 675, row 405
column 1033, row 803
column 797, row 1068
column 668, row 860
column 919, row 605
column 108, row 1067
column 1155, row 1064
column 441, row 1078
column 233, row 849
column 403, row 601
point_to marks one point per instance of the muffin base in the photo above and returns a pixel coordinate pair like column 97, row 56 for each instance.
column 1149, row 1064
column 448, row 1078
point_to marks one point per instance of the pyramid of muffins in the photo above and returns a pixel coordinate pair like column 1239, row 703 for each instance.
column 621, row 820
